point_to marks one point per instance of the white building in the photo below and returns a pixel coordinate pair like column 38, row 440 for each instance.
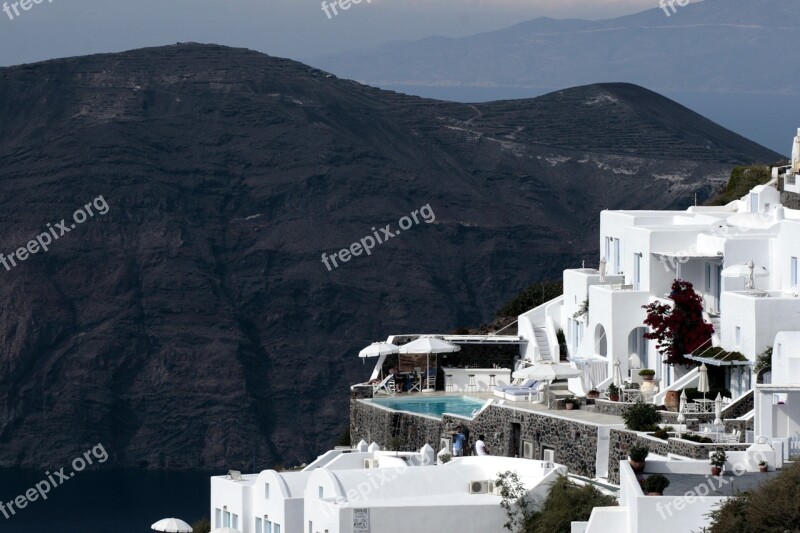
column 364, row 490
column 643, row 252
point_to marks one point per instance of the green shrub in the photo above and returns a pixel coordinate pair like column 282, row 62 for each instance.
column 201, row 526
column 773, row 506
column 656, row 483
column 660, row 433
column 741, row 181
column 638, row 452
column 647, row 372
column 641, row 417
column 567, row 502
column 696, row 438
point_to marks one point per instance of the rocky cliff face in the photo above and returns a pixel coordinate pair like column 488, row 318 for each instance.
column 194, row 324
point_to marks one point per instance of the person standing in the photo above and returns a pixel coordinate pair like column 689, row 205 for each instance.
column 458, row 443
column 480, row 446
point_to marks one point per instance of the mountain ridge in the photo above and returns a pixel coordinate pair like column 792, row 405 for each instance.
column 194, row 325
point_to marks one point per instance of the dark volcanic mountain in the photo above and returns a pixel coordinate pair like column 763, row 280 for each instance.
column 194, row 323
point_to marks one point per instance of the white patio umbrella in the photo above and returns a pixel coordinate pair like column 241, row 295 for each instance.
column 546, row 371
column 376, row 349
column 702, row 383
column 429, row 345
column 746, row 270
column 682, row 408
column 173, row 525
column 718, row 410
column 602, row 269
column 617, row 373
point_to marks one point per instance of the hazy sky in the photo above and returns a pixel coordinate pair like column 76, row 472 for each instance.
column 288, row 28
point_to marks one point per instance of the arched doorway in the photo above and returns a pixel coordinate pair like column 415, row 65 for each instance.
column 600, row 341
column 638, row 351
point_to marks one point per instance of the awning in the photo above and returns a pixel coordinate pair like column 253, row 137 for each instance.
column 691, row 254
column 717, row 362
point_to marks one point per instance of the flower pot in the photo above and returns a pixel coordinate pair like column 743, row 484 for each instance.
column 715, row 470
column 593, row 394
column 763, row 469
column 613, row 397
column 569, row 407
column 636, row 466
column 672, row 400
column 655, row 493
column 647, row 378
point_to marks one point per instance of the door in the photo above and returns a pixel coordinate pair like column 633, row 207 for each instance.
column 516, row 439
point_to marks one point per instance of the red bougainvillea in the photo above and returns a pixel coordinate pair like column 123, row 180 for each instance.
column 679, row 329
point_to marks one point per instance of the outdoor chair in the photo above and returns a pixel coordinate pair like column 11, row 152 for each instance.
column 386, row 386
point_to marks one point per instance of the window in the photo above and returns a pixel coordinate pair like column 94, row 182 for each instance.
column 794, row 272
column 269, row 526
column 637, row 271
column 738, row 335
column 235, row 524
column 266, row 491
column 259, row 526
column 310, row 527
column 708, row 278
column 277, row 528
column 226, row 519
column 607, row 255
column 617, row 256
column 217, row 517
column 321, row 492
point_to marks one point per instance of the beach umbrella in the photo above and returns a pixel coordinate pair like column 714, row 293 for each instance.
column 172, row 525
column 702, row 383
column 617, row 373
column 376, row 349
column 718, row 410
column 682, row 408
column 429, row 345
column 602, row 269
column 746, row 270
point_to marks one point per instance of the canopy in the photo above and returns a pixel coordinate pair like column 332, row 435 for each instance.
column 174, row 525
column 746, row 270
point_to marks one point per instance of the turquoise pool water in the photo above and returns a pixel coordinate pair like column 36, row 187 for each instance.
column 433, row 406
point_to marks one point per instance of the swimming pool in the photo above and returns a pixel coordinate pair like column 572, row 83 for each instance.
column 433, row 406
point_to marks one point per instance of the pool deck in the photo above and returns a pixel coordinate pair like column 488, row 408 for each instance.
column 584, row 414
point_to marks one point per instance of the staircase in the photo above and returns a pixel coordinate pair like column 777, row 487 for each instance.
column 541, row 342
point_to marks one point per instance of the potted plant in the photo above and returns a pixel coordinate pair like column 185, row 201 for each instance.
column 636, row 457
column 593, row 394
column 717, row 462
column 647, row 374
column 570, row 403
column 613, row 393
column 763, row 466
column 654, row 485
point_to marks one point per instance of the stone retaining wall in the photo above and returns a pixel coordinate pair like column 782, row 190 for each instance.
column 740, row 407
column 620, row 440
column 574, row 443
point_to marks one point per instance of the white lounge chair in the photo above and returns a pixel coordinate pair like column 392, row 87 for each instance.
column 386, row 386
